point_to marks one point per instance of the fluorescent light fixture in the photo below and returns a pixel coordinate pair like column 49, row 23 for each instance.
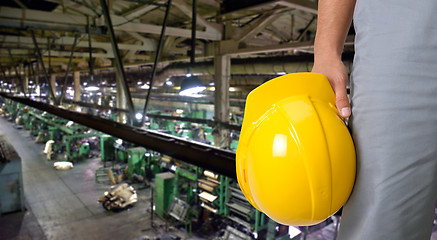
column 145, row 86
column 85, row 83
column 191, row 92
column 179, row 111
column 188, row 75
column 281, row 73
column 138, row 116
column 92, row 88
column 190, row 86
column 169, row 83
column 140, row 83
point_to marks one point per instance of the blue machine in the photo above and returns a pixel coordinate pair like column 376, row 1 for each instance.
column 11, row 180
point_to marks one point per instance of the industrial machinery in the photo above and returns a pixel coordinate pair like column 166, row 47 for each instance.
column 11, row 180
column 136, row 162
column 184, row 194
column 107, row 150
column 163, row 194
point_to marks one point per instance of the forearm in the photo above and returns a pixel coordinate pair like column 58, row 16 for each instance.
column 333, row 23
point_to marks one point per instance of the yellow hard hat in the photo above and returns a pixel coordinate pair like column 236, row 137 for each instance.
column 295, row 157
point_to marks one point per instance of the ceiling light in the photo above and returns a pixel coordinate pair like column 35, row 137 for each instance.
column 191, row 86
column 281, row 73
column 145, row 86
column 169, row 83
column 138, row 116
column 92, row 88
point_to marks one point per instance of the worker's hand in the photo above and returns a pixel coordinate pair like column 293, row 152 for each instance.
column 336, row 73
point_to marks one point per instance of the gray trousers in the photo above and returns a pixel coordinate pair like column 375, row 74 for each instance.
column 394, row 121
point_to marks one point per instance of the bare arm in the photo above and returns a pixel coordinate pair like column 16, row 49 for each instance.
column 334, row 20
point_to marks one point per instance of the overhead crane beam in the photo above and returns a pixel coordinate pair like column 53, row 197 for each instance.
column 214, row 159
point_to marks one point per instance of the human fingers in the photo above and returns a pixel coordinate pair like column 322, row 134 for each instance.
column 341, row 99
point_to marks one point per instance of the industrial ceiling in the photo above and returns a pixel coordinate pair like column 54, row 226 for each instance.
column 263, row 38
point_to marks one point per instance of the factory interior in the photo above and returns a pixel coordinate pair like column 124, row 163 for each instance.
column 120, row 119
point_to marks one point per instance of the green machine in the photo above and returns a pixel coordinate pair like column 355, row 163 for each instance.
column 163, row 195
column 76, row 149
column 186, row 182
column 136, row 162
column 107, row 150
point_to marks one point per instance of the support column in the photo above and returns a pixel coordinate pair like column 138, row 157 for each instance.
column 35, row 70
column 120, row 97
column 76, row 85
column 53, row 85
column 222, row 68
column 26, row 80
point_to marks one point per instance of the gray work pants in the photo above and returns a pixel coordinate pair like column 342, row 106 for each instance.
column 394, row 121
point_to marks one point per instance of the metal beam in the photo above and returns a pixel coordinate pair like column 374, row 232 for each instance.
column 185, row 8
column 139, row 11
column 38, row 53
column 17, row 74
column 257, row 26
column 41, row 16
column 282, row 47
column 64, row 86
column 19, row 41
column 171, row 31
column 22, row 18
column 17, row 24
column 303, row 5
column 202, row 155
column 305, row 30
column 118, row 61
column 155, row 64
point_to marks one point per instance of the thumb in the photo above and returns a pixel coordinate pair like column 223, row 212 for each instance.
column 342, row 101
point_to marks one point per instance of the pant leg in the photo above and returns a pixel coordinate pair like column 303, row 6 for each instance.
column 394, row 121
column 394, row 127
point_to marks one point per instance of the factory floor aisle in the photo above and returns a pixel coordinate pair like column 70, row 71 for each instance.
column 63, row 204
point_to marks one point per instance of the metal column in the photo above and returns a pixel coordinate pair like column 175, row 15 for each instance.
column 222, row 66
column 118, row 61
column 52, row 85
column 76, row 83
column 121, row 100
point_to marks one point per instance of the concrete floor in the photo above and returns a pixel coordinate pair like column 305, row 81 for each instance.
column 63, row 204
